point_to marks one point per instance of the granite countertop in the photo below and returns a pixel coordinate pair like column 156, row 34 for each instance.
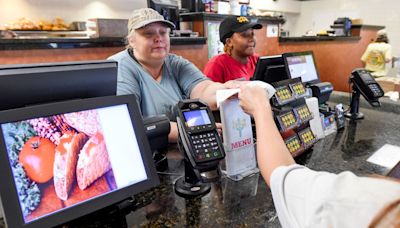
column 248, row 203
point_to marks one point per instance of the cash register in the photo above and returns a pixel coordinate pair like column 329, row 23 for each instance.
column 302, row 65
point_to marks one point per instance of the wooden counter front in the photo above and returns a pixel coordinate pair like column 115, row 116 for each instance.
column 28, row 51
column 193, row 53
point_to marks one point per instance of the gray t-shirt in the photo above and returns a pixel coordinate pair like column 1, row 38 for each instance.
column 179, row 77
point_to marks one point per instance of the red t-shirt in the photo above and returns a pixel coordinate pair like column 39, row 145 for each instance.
column 222, row 68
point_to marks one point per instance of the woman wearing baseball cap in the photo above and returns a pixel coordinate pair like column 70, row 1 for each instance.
column 157, row 78
column 239, row 58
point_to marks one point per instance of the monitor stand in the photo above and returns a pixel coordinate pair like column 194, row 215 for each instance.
column 111, row 216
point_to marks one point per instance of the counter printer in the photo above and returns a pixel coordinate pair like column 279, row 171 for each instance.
column 157, row 129
column 342, row 26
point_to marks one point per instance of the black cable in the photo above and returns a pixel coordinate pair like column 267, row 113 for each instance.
column 350, row 96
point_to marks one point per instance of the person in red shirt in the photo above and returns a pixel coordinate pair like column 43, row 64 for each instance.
column 239, row 59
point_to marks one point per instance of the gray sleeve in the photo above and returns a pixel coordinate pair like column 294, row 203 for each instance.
column 128, row 82
column 187, row 74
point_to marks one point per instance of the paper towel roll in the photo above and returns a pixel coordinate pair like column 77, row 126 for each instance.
column 315, row 122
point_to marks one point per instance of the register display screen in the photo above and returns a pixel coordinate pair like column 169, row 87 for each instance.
column 63, row 160
column 302, row 65
column 197, row 118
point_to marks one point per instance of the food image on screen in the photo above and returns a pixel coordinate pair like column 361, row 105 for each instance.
column 58, row 161
column 196, row 118
column 66, row 158
column 87, row 122
column 93, row 161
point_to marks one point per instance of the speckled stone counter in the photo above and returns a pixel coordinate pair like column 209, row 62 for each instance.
column 248, row 203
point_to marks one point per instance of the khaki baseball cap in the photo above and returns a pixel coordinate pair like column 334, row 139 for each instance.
column 144, row 16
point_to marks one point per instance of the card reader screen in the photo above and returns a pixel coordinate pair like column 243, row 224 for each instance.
column 197, row 118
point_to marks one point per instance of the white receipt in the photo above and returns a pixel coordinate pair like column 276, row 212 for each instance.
column 224, row 94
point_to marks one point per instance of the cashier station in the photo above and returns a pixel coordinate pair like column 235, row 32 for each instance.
column 295, row 78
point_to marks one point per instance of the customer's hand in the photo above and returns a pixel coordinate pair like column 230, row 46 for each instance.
column 234, row 84
column 253, row 100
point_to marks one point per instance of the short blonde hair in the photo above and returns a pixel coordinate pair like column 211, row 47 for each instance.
column 130, row 34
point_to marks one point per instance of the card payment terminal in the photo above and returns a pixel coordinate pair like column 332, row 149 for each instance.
column 201, row 145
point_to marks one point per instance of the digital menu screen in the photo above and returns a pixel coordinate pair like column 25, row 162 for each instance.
column 64, row 160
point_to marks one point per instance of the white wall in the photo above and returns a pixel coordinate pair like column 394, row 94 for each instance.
column 69, row 10
column 319, row 15
column 292, row 6
column 73, row 10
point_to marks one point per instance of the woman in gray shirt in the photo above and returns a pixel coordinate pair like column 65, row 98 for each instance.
column 157, row 78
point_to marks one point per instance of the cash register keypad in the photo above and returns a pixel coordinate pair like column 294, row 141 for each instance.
column 205, row 146
column 293, row 144
column 298, row 88
column 307, row 137
column 283, row 95
column 287, row 120
column 303, row 113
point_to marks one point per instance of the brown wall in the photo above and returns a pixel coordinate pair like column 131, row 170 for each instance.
column 194, row 53
column 55, row 55
column 334, row 59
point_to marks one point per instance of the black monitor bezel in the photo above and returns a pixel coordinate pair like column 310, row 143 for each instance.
column 302, row 53
column 12, row 212
column 30, row 84
column 268, row 61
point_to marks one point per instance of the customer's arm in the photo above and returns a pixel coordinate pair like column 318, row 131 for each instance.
column 206, row 90
column 271, row 149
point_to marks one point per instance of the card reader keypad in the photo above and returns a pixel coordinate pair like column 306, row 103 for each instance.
column 375, row 89
column 205, row 146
